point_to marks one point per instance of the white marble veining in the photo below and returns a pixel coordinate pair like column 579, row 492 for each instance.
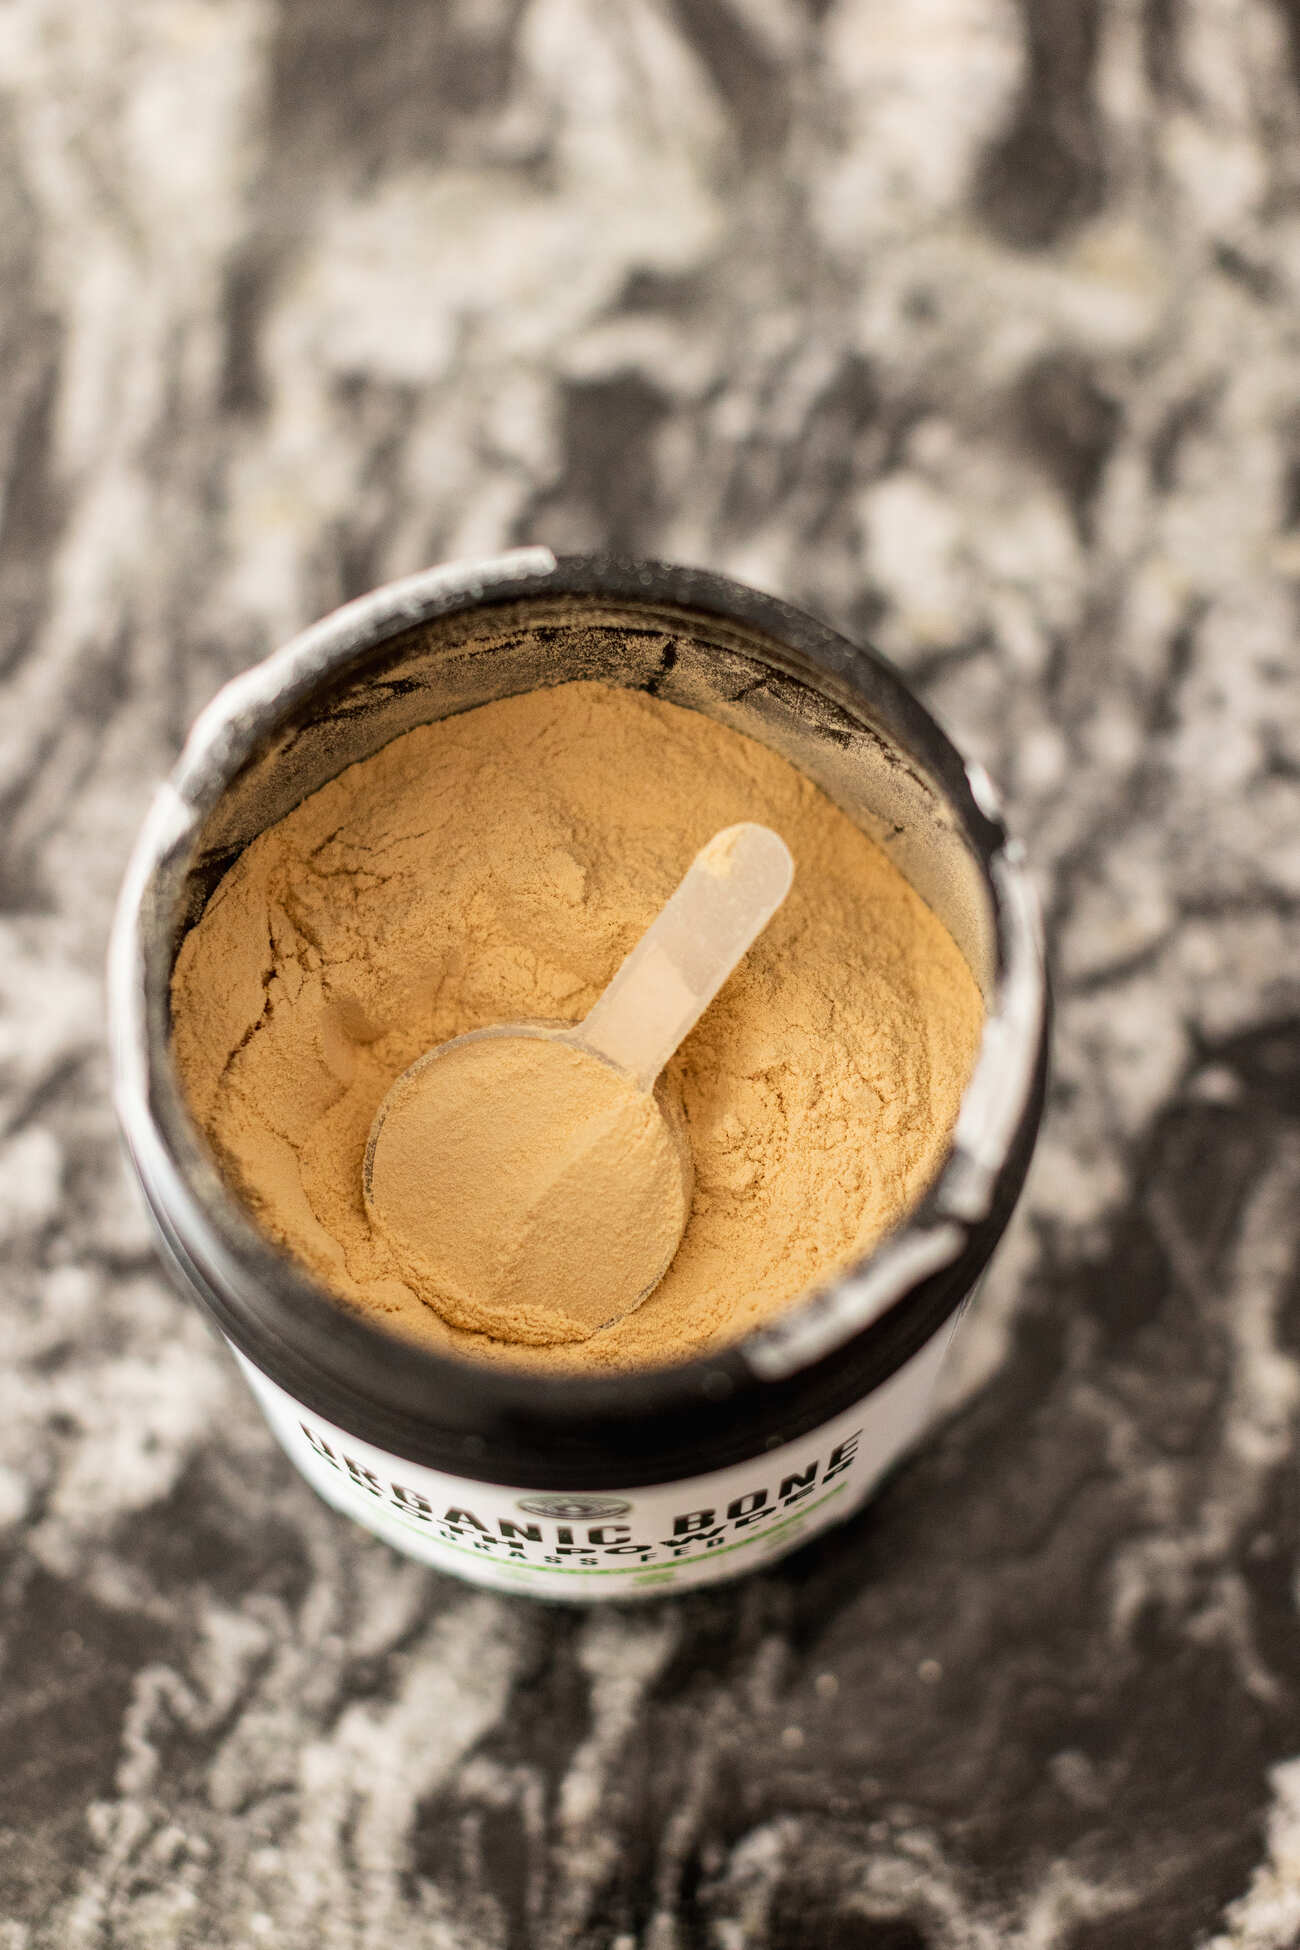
column 972, row 326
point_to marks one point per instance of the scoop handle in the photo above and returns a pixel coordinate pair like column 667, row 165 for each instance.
column 732, row 889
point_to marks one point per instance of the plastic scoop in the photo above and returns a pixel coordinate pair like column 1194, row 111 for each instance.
column 531, row 1174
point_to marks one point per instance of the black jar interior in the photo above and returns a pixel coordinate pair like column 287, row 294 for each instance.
column 446, row 643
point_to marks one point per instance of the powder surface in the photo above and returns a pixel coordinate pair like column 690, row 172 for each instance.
column 497, row 867
column 536, row 1190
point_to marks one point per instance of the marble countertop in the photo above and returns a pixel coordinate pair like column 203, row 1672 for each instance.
column 971, row 324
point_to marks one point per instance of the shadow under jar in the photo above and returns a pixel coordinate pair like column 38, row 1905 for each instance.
column 623, row 1484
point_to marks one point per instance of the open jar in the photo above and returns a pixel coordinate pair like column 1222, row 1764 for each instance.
column 619, row 1484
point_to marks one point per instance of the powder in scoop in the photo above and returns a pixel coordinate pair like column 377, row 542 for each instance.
column 496, row 1166
column 497, row 867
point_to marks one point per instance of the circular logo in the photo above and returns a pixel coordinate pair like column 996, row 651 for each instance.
column 574, row 1508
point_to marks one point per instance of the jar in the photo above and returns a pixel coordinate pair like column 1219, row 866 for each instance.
column 616, row 1485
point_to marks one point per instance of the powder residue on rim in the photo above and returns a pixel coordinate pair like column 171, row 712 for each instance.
column 497, row 866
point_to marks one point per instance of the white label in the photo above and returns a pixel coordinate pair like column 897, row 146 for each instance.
column 612, row 1543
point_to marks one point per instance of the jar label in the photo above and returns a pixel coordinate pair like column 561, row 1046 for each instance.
column 612, row 1543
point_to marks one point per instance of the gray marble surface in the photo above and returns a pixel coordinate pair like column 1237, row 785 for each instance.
column 969, row 324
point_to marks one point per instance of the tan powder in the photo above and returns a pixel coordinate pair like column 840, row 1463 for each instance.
column 539, row 1192
column 497, row 867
